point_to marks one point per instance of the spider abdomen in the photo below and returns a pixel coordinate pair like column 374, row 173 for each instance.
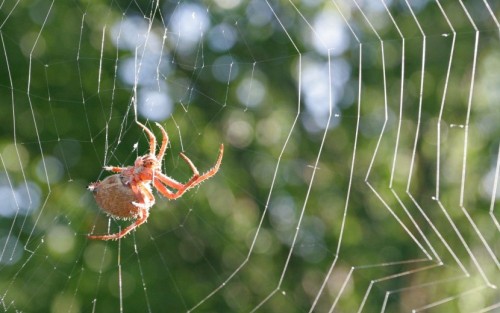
column 115, row 197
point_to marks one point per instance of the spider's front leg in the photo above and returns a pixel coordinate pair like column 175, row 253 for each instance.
column 151, row 136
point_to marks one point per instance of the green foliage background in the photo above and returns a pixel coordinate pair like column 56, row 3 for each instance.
column 66, row 113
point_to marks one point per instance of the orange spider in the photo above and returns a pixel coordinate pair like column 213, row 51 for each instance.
column 128, row 195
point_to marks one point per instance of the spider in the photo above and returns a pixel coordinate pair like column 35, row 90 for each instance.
column 128, row 194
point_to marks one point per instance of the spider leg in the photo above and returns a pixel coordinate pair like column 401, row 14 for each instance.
column 152, row 138
column 115, row 169
column 143, row 216
column 191, row 165
column 164, row 142
column 166, row 192
column 211, row 172
column 193, row 181
column 170, row 182
column 173, row 183
column 181, row 188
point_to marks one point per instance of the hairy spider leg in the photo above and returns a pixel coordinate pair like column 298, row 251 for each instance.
column 152, row 141
column 193, row 181
column 114, row 169
column 165, row 191
column 145, row 200
column 172, row 182
column 190, row 163
column 164, row 143
column 211, row 172
column 143, row 216
column 181, row 188
column 152, row 138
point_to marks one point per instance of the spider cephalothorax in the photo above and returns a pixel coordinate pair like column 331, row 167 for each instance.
column 128, row 194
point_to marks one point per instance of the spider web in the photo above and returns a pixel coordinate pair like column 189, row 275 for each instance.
column 360, row 171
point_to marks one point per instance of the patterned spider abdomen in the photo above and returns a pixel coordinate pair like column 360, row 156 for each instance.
column 115, row 197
